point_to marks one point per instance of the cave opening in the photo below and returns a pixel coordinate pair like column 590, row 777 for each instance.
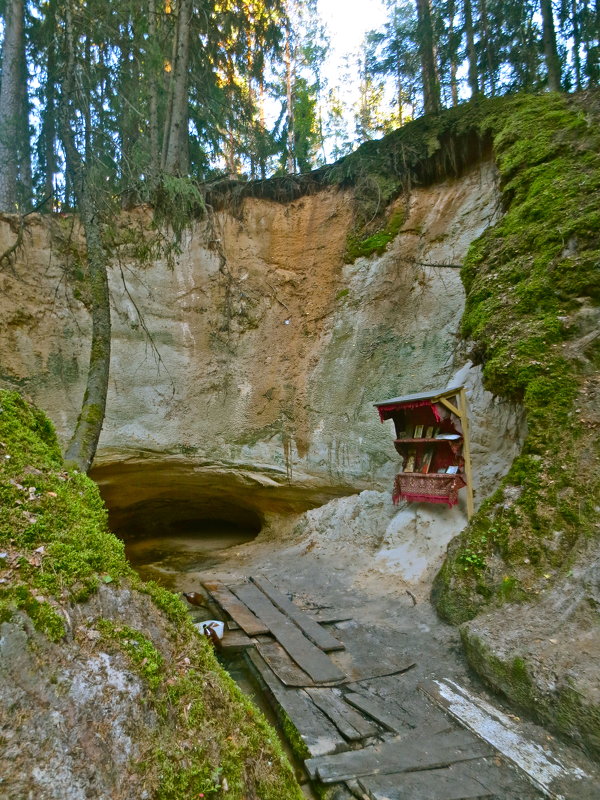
column 168, row 537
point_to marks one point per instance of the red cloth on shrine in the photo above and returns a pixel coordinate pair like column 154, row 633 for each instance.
column 421, row 488
column 383, row 410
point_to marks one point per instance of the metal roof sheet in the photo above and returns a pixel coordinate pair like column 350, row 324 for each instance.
column 409, row 398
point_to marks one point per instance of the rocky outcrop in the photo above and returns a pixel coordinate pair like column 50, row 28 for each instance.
column 244, row 368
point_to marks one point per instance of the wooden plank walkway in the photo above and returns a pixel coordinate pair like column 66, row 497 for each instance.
column 318, row 635
column 309, row 657
column 458, row 782
column 288, row 672
column 352, row 725
column 316, row 731
column 379, row 711
column 240, row 613
column 417, row 752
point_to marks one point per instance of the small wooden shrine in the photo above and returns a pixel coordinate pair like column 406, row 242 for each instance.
column 432, row 438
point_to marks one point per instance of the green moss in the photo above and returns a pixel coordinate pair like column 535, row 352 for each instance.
column 141, row 652
column 291, row 733
column 523, row 278
column 44, row 505
column 357, row 247
column 44, row 617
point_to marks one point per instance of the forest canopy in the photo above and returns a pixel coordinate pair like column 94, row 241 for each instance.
column 132, row 92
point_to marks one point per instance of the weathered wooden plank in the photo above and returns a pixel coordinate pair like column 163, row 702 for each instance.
column 236, row 640
column 282, row 665
column 539, row 764
column 308, row 626
column 308, row 657
column 451, row 783
column 398, row 755
column 377, row 710
column 318, row 734
column 236, row 609
column 348, row 721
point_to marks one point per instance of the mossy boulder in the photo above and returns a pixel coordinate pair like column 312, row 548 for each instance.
column 108, row 690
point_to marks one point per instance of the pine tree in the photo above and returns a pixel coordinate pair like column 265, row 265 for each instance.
column 13, row 93
column 427, row 51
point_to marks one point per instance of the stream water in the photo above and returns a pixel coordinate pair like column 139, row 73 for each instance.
column 192, row 545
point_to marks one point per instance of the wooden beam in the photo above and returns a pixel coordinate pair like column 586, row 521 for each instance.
column 467, row 452
column 450, row 406
column 322, row 638
column 236, row 609
column 308, row 657
column 352, row 725
column 459, row 782
column 404, row 754
column 316, row 731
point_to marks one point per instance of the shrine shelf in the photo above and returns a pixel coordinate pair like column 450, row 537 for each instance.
column 443, row 412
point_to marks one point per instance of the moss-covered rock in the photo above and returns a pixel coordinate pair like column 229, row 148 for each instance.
column 527, row 279
column 533, row 286
column 144, row 708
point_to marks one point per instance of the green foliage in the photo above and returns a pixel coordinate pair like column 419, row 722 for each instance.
column 176, row 202
column 44, row 506
column 524, row 278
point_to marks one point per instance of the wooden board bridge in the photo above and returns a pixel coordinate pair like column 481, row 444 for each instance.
column 361, row 730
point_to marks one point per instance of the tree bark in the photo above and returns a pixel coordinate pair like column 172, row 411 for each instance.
column 431, row 84
column 291, row 160
column 550, row 50
column 48, row 130
column 452, row 55
column 82, row 447
column 175, row 147
column 11, row 93
column 485, row 35
column 471, row 54
column 576, row 44
column 153, row 89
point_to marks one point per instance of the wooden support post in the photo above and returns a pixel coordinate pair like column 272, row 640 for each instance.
column 466, row 451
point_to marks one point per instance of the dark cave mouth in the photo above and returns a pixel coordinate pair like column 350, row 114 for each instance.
column 166, row 539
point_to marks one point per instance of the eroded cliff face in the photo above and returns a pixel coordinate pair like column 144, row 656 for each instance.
column 245, row 367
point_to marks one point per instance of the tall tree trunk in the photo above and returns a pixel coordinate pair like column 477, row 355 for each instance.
column 82, row 447
column 452, row 51
column 471, row 54
column 485, row 35
column 48, row 131
column 24, row 139
column 151, row 77
column 399, row 89
column 431, row 85
column 262, row 118
column 591, row 40
column 291, row 160
column 176, row 156
column 550, row 51
column 576, row 43
column 11, row 93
